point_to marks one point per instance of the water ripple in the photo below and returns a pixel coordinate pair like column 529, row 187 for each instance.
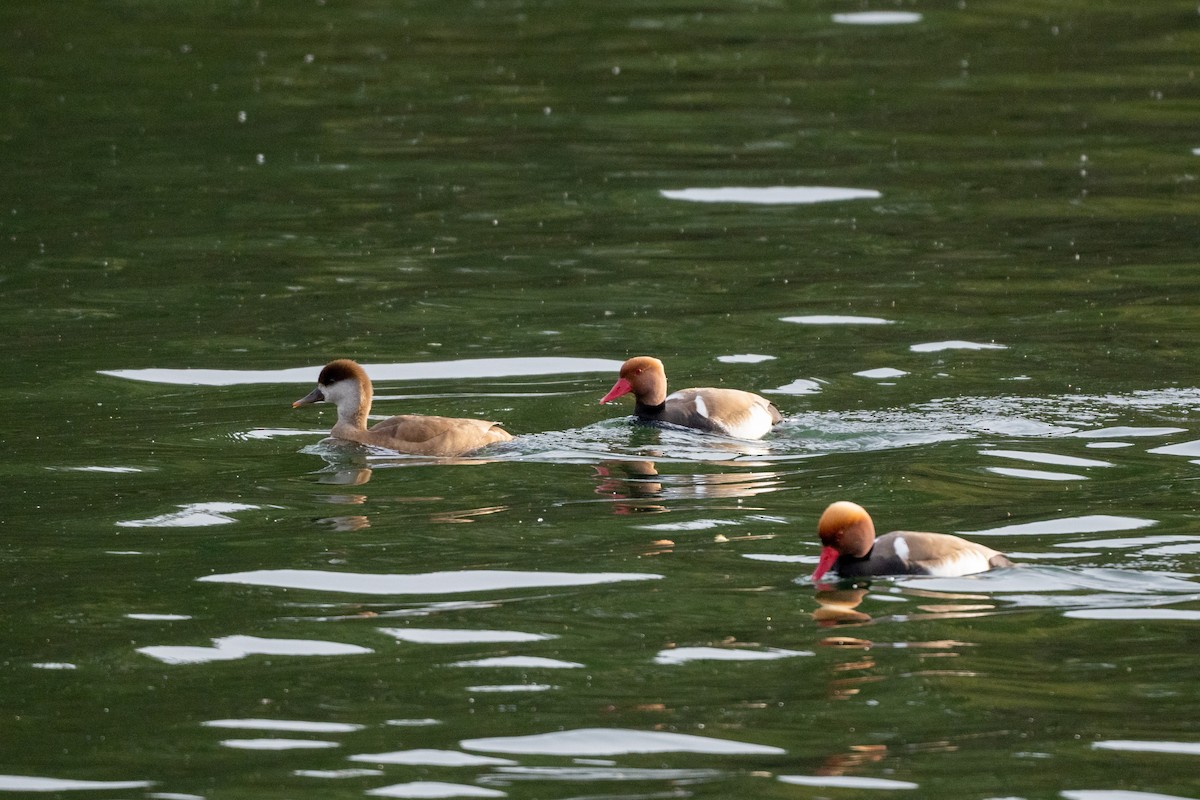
column 614, row 741
column 232, row 648
column 31, row 783
column 770, row 195
column 449, row 582
column 431, row 758
column 846, row 782
column 433, row 789
column 464, row 369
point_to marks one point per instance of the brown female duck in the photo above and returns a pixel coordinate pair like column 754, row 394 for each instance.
column 345, row 384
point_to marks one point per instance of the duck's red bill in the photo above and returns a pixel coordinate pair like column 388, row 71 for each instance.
column 828, row 557
column 621, row 387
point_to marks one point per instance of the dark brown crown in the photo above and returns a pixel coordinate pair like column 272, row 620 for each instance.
column 339, row 370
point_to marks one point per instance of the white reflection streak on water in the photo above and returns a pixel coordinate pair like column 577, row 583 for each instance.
column 518, row 662
column 194, row 515
column 878, row 18
column 1139, row 614
column 614, row 741
column 1137, row 746
column 106, row 470
column 1137, row 541
column 955, row 344
column 431, row 758
column 462, row 636
column 33, row 783
column 430, row 370
column 336, row 773
column 684, row 655
column 293, row 725
column 1090, row 523
column 433, row 789
column 881, row 373
column 1117, row 794
column 596, row 773
column 835, row 319
column 448, row 582
column 1046, row 458
column 1127, row 432
column 1185, row 449
column 1037, row 474
column 846, row 782
column 745, row 358
column 770, row 195
column 233, row 648
column 278, row 744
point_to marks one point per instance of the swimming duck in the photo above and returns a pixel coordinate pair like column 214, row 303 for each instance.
column 848, row 536
column 731, row 412
column 345, row 384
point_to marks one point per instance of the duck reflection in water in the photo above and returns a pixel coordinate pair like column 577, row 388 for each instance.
column 350, row 464
column 342, row 475
column 839, row 607
column 631, row 485
column 639, row 487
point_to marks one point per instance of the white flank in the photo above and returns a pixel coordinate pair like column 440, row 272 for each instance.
column 964, row 562
column 901, row 548
column 755, row 424
column 701, row 407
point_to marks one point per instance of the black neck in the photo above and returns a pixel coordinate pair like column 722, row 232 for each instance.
column 649, row 412
column 848, row 559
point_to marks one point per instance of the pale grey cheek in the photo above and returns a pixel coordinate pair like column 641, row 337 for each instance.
column 334, row 392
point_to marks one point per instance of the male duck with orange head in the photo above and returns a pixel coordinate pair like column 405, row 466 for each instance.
column 731, row 412
column 849, row 545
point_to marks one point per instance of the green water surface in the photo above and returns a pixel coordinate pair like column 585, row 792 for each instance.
column 262, row 186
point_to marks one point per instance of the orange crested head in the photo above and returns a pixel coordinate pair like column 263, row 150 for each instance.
column 847, row 527
column 645, row 377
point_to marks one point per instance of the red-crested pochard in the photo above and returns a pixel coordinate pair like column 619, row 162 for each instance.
column 732, row 412
column 346, row 385
column 849, row 544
